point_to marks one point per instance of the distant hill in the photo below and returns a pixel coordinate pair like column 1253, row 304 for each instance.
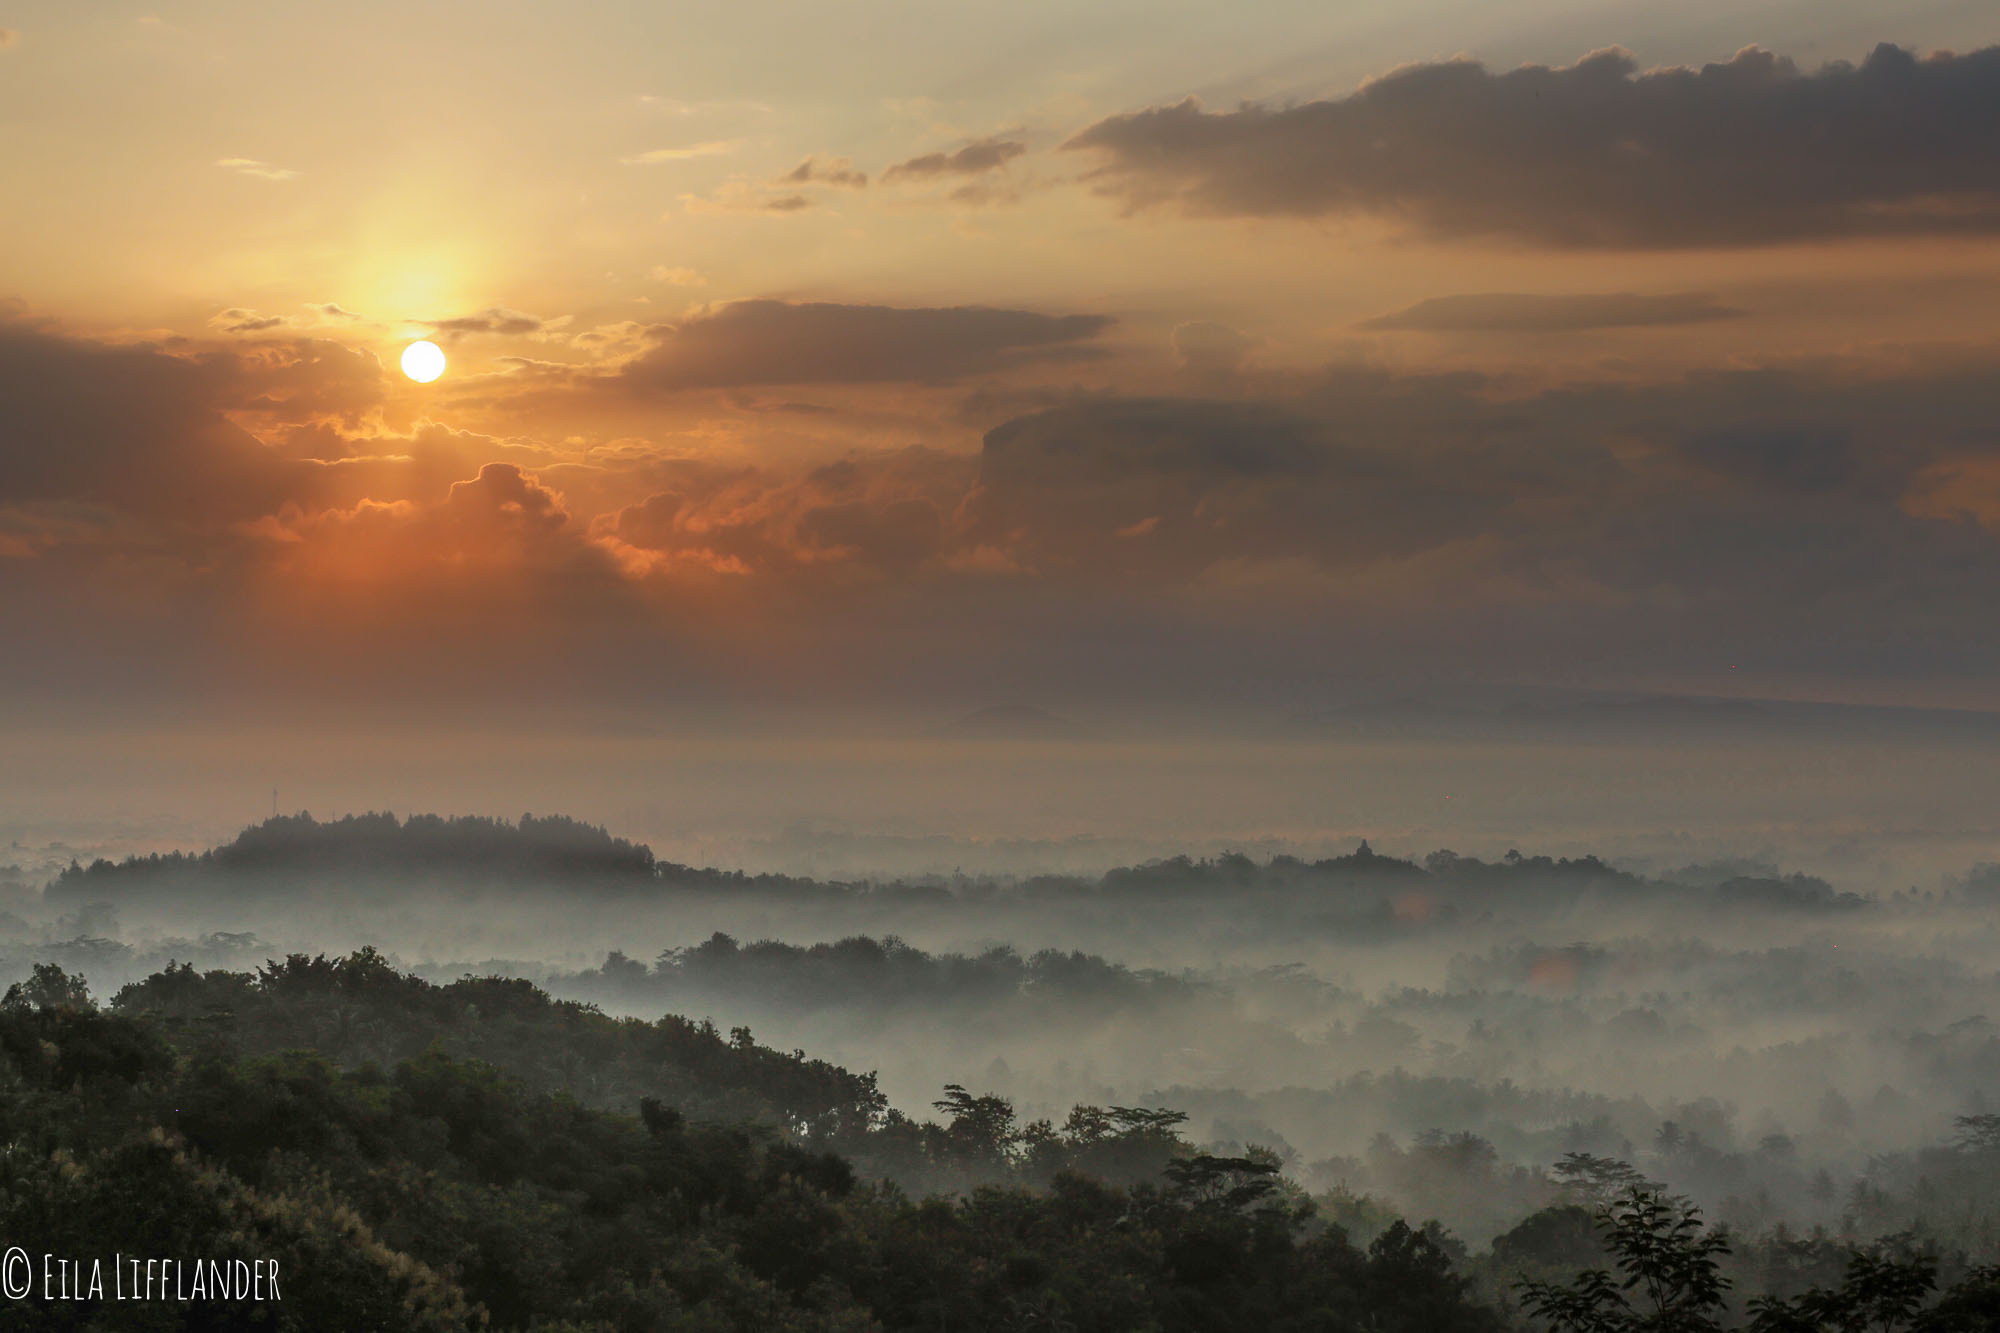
column 382, row 855
column 535, row 845
column 379, row 847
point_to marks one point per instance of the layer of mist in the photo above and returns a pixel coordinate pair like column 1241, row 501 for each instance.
column 1426, row 1037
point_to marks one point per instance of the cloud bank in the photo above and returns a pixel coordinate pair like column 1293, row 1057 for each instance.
column 1752, row 151
column 242, row 503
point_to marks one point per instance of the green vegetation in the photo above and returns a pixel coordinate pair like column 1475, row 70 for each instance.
column 402, row 1181
column 479, row 1155
column 1669, row 1278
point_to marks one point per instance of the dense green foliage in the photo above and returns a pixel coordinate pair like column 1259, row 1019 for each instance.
column 863, row 973
column 1668, row 1276
column 358, row 1010
column 442, row 1141
column 477, row 1154
column 432, row 1190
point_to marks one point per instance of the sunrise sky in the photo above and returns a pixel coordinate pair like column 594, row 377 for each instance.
column 893, row 353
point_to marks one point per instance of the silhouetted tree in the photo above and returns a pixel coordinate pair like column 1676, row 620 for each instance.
column 1669, row 1279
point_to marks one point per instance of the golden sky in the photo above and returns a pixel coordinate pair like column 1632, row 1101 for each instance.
column 885, row 350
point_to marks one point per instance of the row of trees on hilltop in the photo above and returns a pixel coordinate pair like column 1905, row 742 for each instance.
column 359, row 1010
column 553, row 845
column 862, row 972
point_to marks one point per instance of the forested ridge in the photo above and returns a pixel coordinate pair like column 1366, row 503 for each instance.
column 337, row 1116
column 1437, row 1120
column 357, row 849
column 477, row 1154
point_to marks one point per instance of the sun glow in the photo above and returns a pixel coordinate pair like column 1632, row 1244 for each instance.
column 423, row 361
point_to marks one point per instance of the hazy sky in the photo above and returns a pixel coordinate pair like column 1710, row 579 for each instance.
column 870, row 352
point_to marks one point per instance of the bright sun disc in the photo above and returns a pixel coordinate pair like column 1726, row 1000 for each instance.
column 423, row 361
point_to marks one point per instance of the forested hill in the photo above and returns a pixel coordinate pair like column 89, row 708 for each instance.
column 379, row 846
column 359, row 1010
column 359, row 851
column 441, row 1192
column 300, row 843
column 280, row 1118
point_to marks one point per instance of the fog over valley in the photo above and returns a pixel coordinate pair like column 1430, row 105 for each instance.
column 1424, row 1033
column 1049, row 667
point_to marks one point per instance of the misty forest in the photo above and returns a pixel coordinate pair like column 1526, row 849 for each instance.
column 474, row 1072
column 1062, row 666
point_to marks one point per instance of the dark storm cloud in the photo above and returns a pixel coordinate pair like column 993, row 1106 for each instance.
column 779, row 342
column 1748, row 152
column 980, row 156
column 1523, row 312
